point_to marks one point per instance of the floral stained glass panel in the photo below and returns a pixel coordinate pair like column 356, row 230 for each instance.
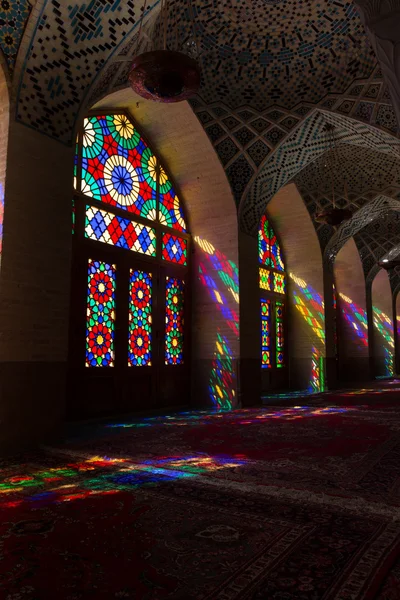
column 140, row 319
column 174, row 249
column 268, row 247
column 265, row 279
column 265, row 334
column 280, row 338
column 174, row 321
column 170, row 210
column 279, row 283
column 111, row 229
column 100, row 318
column 118, row 168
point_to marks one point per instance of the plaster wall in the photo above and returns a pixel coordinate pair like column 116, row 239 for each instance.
column 382, row 312
column 306, row 343
column 351, row 316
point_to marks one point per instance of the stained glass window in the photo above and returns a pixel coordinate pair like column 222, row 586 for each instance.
column 140, row 319
column 174, row 249
column 268, row 247
column 118, row 167
column 100, row 319
column 174, row 303
column 170, row 207
column 129, row 200
column 279, row 283
column 280, row 339
column 265, row 279
column 111, row 229
column 265, row 334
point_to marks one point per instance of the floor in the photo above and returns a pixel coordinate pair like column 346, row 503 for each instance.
column 297, row 500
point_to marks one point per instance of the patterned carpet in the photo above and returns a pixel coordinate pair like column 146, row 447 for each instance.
column 293, row 503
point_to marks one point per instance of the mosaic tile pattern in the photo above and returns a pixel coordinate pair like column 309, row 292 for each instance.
column 13, row 17
column 215, row 132
column 370, row 212
column 251, row 55
column 258, row 152
column 382, row 235
column 71, row 44
column 386, row 117
column 226, row 150
column 301, row 148
column 239, row 174
column 260, row 125
column 244, row 136
column 274, row 135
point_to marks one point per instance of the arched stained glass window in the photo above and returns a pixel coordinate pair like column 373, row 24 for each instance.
column 131, row 256
column 272, row 282
column 269, row 250
column 119, row 169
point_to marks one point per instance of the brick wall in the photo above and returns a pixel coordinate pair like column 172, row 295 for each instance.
column 352, row 332
column 34, row 284
column 180, row 141
column 382, row 311
column 302, row 252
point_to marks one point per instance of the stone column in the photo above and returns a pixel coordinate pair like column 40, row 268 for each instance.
column 34, row 288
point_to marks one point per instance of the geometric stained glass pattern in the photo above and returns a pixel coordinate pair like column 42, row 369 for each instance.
column 111, row 229
column 265, row 279
column 174, row 249
column 174, row 305
column 279, row 283
column 265, row 334
column 118, row 167
column 170, row 211
column 268, row 247
column 100, row 319
column 140, row 318
column 279, row 332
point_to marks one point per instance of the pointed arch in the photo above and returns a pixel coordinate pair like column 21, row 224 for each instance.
column 305, row 145
column 119, row 168
column 365, row 215
column 269, row 249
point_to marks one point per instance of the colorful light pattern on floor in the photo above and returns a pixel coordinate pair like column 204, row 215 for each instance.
column 103, row 475
column 356, row 318
column 244, row 416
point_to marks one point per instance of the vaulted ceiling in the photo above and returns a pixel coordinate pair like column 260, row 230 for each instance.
column 272, row 73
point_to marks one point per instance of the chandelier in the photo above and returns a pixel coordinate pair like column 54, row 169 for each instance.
column 334, row 215
column 165, row 75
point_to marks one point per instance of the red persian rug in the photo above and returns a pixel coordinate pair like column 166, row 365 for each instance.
column 287, row 504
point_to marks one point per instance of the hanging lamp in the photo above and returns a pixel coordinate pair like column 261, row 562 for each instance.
column 334, row 216
column 165, row 75
column 388, row 264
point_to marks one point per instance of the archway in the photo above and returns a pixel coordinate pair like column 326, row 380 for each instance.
column 182, row 145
